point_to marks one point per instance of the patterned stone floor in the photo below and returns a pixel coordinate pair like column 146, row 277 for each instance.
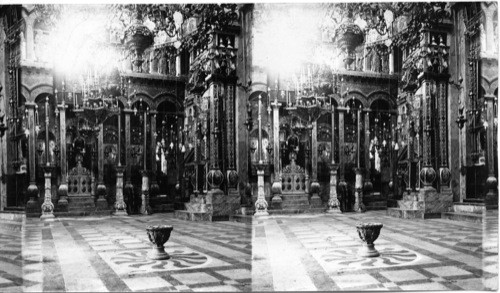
column 278, row 253
column 99, row 254
column 318, row 252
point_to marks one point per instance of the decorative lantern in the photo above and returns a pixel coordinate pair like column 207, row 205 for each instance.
column 137, row 38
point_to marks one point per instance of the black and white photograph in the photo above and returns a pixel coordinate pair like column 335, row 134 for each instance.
column 239, row 147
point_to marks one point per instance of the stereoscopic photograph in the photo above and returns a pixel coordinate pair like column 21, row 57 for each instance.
column 333, row 146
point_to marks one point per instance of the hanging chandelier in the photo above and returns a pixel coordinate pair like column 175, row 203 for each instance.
column 348, row 37
column 138, row 37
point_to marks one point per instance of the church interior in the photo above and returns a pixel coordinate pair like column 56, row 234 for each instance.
column 260, row 136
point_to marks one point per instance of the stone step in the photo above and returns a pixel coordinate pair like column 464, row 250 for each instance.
column 193, row 216
column 82, row 213
column 296, row 207
column 467, row 217
column 411, row 214
column 287, row 211
column 376, row 205
column 163, row 208
column 471, row 208
column 14, row 216
column 410, row 204
column 405, row 213
column 241, row 218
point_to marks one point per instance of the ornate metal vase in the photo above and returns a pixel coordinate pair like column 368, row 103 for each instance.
column 368, row 232
column 159, row 235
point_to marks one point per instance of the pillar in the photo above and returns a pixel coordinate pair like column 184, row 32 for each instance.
column 120, row 206
column 129, row 188
column 47, row 206
column 101, row 204
column 32, row 192
column 145, row 208
column 63, row 188
column 491, row 182
column 315, row 199
column 260, row 203
column 342, row 183
column 155, row 188
column 276, row 201
column 444, row 170
column 233, row 198
column 359, row 206
column 367, row 185
column 214, row 176
column 427, row 172
column 333, row 201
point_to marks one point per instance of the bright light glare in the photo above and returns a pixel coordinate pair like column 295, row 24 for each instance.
column 288, row 35
column 79, row 42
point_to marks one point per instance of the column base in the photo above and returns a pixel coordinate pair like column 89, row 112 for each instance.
column 276, row 202
column 315, row 201
column 49, row 216
column 120, row 213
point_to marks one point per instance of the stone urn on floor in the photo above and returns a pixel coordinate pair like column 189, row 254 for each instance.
column 368, row 232
column 159, row 235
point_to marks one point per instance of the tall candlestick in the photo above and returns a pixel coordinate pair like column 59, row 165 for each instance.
column 47, row 131
column 332, row 108
column 145, row 141
column 119, row 136
column 359, row 137
column 260, row 129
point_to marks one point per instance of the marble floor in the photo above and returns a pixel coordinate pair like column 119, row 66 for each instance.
column 278, row 253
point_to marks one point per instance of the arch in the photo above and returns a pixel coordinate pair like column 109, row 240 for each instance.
column 38, row 98
column 258, row 87
column 255, row 95
column 381, row 95
column 489, row 85
column 163, row 103
column 335, row 99
column 162, row 97
column 25, row 91
column 38, row 90
column 356, row 95
column 137, row 97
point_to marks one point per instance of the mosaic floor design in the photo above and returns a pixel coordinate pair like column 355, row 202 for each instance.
column 415, row 254
column 109, row 254
column 300, row 252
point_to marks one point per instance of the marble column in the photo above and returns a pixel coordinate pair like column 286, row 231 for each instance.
column 276, row 201
column 32, row 192
column 359, row 206
column 444, row 170
column 155, row 188
column 333, row 201
column 427, row 173
column 120, row 206
column 145, row 208
column 367, row 185
column 491, row 133
column 47, row 206
column 233, row 198
column 101, row 204
column 129, row 188
column 261, row 203
column 315, row 199
column 215, row 177
column 63, row 187
column 342, row 183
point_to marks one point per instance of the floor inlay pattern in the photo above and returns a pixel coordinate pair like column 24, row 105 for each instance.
column 280, row 253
